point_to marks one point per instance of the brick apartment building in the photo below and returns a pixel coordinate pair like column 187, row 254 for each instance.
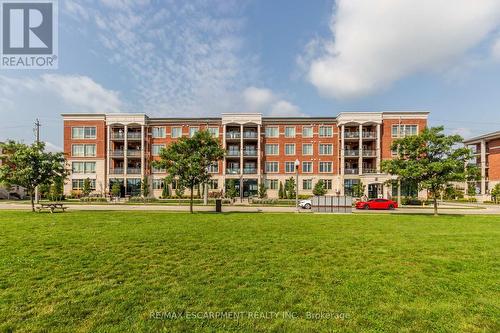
column 486, row 150
column 341, row 151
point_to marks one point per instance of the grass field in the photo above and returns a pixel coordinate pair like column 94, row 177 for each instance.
column 131, row 271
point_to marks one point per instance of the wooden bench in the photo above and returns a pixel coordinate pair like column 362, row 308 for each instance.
column 52, row 207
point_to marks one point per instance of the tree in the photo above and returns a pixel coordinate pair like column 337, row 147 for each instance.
column 86, row 188
column 30, row 166
column 358, row 190
column 165, row 193
column 145, row 187
column 57, row 189
column 319, row 188
column 432, row 159
column 262, row 190
column 495, row 193
column 281, row 193
column 188, row 160
column 231, row 192
column 290, row 188
column 116, row 190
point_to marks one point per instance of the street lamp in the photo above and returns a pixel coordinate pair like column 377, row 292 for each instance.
column 297, row 163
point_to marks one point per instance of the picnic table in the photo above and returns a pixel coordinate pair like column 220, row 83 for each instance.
column 52, row 207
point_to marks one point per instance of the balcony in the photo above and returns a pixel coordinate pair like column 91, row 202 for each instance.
column 350, row 171
column 351, row 153
column 351, row 135
column 134, row 171
column 369, row 170
column 250, row 135
column 369, row 153
column 233, row 171
column 134, row 136
column 234, row 153
column 117, row 153
column 233, row 135
column 250, row 170
column 134, row 153
column 369, row 135
column 116, row 171
column 117, row 135
column 250, row 152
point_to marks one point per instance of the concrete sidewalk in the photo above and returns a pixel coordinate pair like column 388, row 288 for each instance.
column 462, row 209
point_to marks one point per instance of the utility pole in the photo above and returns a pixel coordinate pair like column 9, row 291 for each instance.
column 37, row 134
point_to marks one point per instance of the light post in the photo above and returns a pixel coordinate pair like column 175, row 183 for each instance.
column 297, row 163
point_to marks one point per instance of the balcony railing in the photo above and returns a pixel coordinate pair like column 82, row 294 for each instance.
column 116, row 153
column 233, row 153
column 133, row 171
column 233, row 135
column 249, row 171
column 369, row 153
column 369, row 135
column 369, row 170
column 250, row 135
column 351, row 152
column 134, row 135
column 118, row 135
column 134, row 153
column 351, row 135
column 116, row 171
column 349, row 171
column 233, row 171
column 249, row 152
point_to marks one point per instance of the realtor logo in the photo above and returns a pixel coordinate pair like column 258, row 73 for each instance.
column 29, row 34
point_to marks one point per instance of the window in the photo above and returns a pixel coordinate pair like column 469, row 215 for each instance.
column 155, row 149
column 307, row 167
column 83, row 150
column 272, row 149
column 290, row 149
column 77, row 184
column 325, row 149
column 290, row 132
column 176, row 132
column 289, row 166
column 325, row 166
column 325, row 131
column 214, row 168
column 328, row 184
column 158, row 170
column 307, row 132
column 272, row 184
column 307, row 149
column 83, row 133
column 348, row 186
column 83, row 167
column 158, row 132
column 213, row 184
column 272, row 132
column 158, row 184
column 193, row 131
column 214, row 131
column 174, row 184
column 307, row 184
column 272, row 167
column 400, row 131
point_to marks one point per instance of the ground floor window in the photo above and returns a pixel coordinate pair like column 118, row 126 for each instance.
column 134, row 186
column 77, row 184
column 328, row 184
column 213, row 184
column 408, row 188
column 348, row 186
column 272, row 184
column 158, row 184
column 307, row 184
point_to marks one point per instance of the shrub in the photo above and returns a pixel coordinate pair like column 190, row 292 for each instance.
column 141, row 200
column 93, row 199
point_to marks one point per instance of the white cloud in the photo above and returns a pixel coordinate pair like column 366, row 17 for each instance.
column 495, row 50
column 283, row 108
column 266, row 101
column 375, row 43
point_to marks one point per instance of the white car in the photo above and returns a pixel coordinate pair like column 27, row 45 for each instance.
column 306, row 204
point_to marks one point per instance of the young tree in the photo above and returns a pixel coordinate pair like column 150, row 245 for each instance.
column 432, row 159
column 165, row 193
column 495, row 193
column 358, row 189
column 30, row 166
column 86, row 188
column 319, row 188
column 281, row 193
column 116, row 190
column 262, row 190
column 145, row 187
column 290, row 188
column 57, row 189
column 188, row 160
column 231, row 192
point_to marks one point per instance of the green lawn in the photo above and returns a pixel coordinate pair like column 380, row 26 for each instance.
column 126, row 271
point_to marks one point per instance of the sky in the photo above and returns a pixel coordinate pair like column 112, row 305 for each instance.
column 282, row 58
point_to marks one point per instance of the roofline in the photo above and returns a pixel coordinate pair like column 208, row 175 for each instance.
column 491, row 135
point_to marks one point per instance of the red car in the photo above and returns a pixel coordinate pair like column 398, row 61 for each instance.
column 377, row 204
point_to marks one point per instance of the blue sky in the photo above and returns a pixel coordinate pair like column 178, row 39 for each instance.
column 280, row 57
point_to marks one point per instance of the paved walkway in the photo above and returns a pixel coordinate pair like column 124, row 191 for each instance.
column 462, row 209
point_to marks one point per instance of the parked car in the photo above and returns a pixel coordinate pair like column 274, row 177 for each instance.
column 377, row 204
column 306, row 204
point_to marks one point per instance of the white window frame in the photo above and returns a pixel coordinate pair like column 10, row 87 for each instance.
column 325, row 163
column 85, row 146
column 309, row 128
column 277, row 152
column 172, row 132
column 162, row 131
column 291, row 128
column 309, row 187
column 84, row 129
column 327, row 145
column 328, row 181
column 273, row 128
column 272, row 184
column 196, row 130
column 308, row 145
column 155, row 183
column 308, row 163
column 287, row 167
column 323, row 135
column 290, row 145
column 153, row 153
column 273, row 163
column 214, row 131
